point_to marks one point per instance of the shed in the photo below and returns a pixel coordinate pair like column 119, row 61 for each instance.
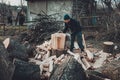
column 57, row 8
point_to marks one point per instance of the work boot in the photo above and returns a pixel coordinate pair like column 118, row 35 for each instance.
column 82, row 50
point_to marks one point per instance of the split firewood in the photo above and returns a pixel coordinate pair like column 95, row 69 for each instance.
column 40, row 51
column 39, row 56
column 46, row 65
column 50, row 59
column 42, row 47
column 46, row 69
column 89, row 55
column 59, row 59
column 46, row 75
column 84, row 43
column 77, row 57
column 51, row 66
column 45, row 46
column 86, row 63
column 71, row 53
column 35, row 61
column 47, row 55
column 41, row 68
column 80, row 61
column 58, row 41
column 36, row 56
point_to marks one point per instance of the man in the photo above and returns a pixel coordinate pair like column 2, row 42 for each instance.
column 75, row 29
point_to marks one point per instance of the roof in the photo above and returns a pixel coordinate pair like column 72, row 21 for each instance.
column 44, row 0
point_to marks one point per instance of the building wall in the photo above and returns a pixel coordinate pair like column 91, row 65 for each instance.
column 59, row 8
column 55, row 8
column 35, row 8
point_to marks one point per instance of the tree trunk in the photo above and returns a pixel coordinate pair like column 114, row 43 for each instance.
column 26, row 71
column 69, row 70
column 6, row 67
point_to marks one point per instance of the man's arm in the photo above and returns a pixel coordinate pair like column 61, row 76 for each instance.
column 65, row 29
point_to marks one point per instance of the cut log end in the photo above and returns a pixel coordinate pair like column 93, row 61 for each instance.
column 6, row 42
column 108, row 47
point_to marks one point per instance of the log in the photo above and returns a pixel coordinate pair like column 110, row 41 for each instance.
column 86, row 63
column 59, row 58
column 26, row 71
column 47, row 55
column 6, row 65
column 95, row 75
column 69, row 70
column 51, row 66
column 89, row 55
column 32, row 60
column 77, row 57
column 84, row 43
column 111, row 70
column 16, row 49
column 108, row 47
column 50, row 59
column 58, row 41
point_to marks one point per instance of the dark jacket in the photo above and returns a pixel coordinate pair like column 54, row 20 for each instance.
column 73, row 25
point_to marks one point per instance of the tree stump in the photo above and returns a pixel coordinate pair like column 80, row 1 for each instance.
column 108, row 47
column 69, row 70
column 6, row 67
column 26, row 71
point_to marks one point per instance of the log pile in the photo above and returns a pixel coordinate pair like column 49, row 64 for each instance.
column 48, row 65
column 47, row 60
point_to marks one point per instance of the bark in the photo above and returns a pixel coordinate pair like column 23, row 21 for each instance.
column 69, row 70
column 26, row 71
column 94, row 75
column 17, row 50
column 6, row 67
column 108, row 47
column 112, row 70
